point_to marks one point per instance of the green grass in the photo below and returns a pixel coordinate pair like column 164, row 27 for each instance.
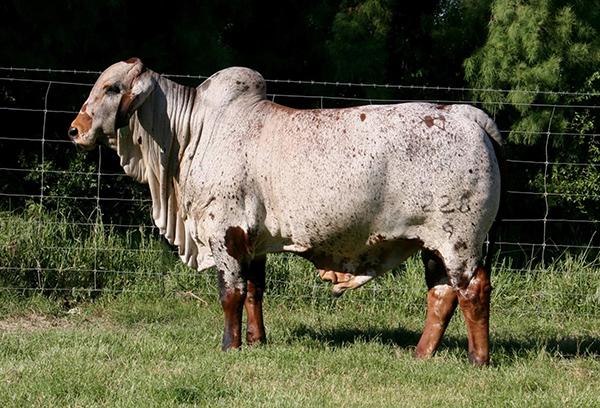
column 155, row 345
column 137, row 349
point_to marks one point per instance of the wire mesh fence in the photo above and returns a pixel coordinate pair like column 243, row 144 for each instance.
column 95, row 199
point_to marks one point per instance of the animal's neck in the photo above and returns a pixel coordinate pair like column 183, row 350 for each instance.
column 179, row 101
column 158, row 132
column 150, row 150
column 164, row 119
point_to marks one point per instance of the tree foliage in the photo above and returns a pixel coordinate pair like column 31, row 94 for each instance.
column 359, row 39
column 534, row 47
column 539, row 71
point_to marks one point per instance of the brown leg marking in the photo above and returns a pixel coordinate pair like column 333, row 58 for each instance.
column 232, row 301
column 441, row 303
column 474, row 300
column 255, row 329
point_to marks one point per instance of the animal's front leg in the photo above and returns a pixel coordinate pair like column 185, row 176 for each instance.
column 232, row 291
column 232, row 301
column 255, row 330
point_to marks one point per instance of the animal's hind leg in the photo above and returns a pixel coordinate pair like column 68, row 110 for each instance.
column 474, row 300
column 441, row 303
column 255, row 329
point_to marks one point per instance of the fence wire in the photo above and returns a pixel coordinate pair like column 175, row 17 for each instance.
column 56, row 101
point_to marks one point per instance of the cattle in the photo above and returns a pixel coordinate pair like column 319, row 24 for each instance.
column 234, row 176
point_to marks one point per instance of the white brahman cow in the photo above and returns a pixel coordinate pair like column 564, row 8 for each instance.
column 234, row 176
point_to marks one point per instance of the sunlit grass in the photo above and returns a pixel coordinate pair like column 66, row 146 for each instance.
column 133, row 350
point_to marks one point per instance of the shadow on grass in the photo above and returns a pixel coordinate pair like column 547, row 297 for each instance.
column 205, row 390
column 566, row 347
column 346, row 337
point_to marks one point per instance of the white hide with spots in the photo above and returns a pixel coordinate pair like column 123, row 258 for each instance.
column 354, row 190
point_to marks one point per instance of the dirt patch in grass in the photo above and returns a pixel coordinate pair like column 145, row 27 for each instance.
column 33, row 322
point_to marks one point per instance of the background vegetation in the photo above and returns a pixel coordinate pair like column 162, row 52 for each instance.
column 532, row 65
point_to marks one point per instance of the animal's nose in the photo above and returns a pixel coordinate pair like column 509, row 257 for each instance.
column 73, row 133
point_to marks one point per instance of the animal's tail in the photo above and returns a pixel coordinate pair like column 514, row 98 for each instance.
column 486, row 123
column 489, row 126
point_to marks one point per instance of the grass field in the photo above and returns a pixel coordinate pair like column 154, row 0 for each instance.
column 140, row 349
column 157, row 343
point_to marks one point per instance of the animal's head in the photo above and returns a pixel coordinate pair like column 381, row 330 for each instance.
column 118, row 92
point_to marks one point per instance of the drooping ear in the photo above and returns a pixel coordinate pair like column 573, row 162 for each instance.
column 141, row 86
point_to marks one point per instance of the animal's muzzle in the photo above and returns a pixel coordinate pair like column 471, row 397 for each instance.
column 78, row 137
column 80, row 126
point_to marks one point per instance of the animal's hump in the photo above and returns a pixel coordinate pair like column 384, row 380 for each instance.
column 232, row 83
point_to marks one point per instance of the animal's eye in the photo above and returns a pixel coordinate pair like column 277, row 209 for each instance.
column 112, row 89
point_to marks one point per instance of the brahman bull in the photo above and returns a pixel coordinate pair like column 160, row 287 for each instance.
column 234, row 176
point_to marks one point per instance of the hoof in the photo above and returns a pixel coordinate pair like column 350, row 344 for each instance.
column 479, row 361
